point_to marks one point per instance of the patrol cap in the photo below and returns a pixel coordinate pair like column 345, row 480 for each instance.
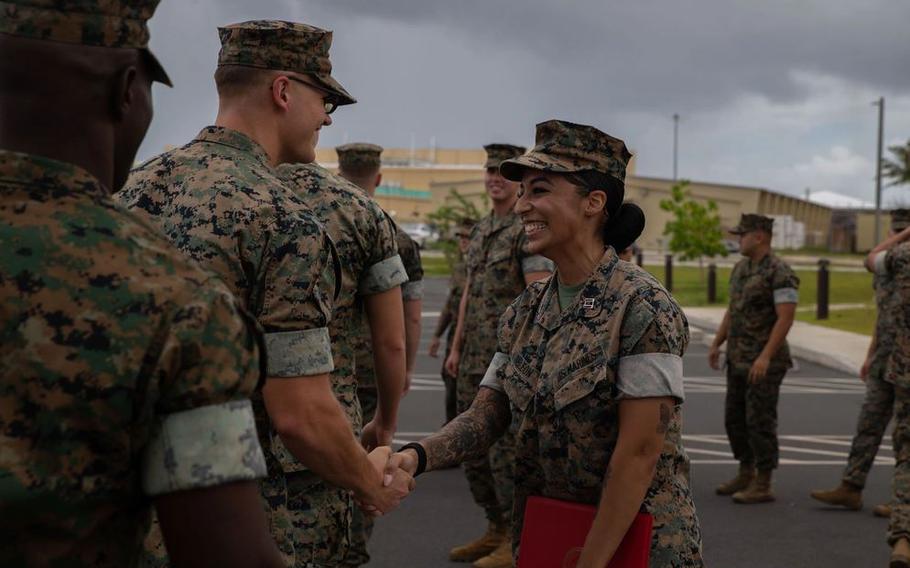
column 753, row 222
column 358, row 155
column 283, row 46
column 566, row 147
column 96, row 23
column 497, row 153
column 900, row 219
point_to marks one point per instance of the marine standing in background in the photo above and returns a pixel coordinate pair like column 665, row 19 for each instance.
column 763, row 297
column 891, row 259
column 499, row 268
column 115, row 350
column 371, row 275
column 879, row 403
column 359, row 164
column 219, row 199
column 449, row 316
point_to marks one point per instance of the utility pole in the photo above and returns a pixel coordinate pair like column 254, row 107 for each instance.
column 878, row 169
column 675, row 144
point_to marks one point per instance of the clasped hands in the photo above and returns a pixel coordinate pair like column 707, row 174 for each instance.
column 394, row 481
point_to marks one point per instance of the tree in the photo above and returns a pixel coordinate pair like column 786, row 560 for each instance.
column 695, row 229
column 898, row 168
column 455, row 208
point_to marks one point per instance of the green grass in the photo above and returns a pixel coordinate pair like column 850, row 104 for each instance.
column 691, row 289
column 435, row 266
column 857, row 321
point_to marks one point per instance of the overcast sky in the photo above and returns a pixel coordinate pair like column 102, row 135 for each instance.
column 775, row 93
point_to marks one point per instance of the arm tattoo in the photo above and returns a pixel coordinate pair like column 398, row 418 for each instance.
column 471, row 433
column 664, row 424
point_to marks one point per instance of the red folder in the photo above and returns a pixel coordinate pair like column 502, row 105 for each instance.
column 554, row 533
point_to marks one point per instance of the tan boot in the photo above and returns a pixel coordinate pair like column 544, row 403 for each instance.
column 499, row 558
column 496, row 533
column 759, row 491
column 738, row 483
column 900, row 554
column 882, row 510
column 844, row 495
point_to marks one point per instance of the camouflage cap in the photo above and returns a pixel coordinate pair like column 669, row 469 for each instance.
column 900, row 219
column 97, row 23
column 283, row 46
column 565, row 147
column 498, row 153
column 358, row 155
column 753, row 222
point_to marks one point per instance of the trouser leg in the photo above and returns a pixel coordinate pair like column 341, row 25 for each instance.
column 870, row 428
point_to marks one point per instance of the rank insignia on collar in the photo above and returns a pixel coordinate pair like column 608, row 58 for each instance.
column 588, row 303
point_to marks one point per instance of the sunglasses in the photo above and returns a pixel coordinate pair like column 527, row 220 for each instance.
column 330, row 105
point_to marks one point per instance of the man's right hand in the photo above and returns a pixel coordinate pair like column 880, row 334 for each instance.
column 714, row 357
column 392, row 484
column 452, row 363
column 433, row 351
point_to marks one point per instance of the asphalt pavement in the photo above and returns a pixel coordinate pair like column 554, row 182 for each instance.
column 818, row 411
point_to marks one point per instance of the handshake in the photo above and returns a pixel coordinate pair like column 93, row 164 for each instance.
column 394, row 481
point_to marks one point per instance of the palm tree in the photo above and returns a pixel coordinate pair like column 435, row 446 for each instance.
column 897, row 169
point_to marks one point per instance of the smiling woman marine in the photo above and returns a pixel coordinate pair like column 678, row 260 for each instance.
column 589, row 368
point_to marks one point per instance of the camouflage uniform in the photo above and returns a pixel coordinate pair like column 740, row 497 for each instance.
column 567, row 371
column 895, row 265
column 750, row 411
column 370, row 263
column 450, row 314
column 115, row 352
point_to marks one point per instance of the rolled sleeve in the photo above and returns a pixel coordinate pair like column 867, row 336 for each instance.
column 879, row 265
column 203, row 447
column 299, row 353
column 412, row 291
column 383, row 276
column 649, row 375
column 536, row 263
column 786, row 296
column 491, row 378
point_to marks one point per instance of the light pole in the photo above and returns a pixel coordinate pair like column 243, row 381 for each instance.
column 878, row 169
column 675, row 144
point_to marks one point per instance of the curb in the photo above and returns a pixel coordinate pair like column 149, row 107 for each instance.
column 815, row 355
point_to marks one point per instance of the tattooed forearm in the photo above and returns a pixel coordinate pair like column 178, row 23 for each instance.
column 471, row 433
column 663, row 423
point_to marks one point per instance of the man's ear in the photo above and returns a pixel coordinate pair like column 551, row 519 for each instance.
column 378, row 179
column 596, row 202
column 123, row 96
column 281, row 92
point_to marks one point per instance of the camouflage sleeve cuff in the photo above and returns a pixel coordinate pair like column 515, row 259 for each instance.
column 491, row 378
column 412, row 290
column 299, row 353
column 650, row 375
column 382, row 276
column 786, row 296
column 203, row 447
column 536, row 263
column 878, row 265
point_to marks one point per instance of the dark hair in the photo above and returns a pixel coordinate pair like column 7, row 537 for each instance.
column 625, row 221
column 234, row 80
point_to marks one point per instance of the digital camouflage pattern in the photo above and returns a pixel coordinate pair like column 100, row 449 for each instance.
column 897, row 267
column 221, row 203
column 750, row 417
column 102, row 23
column 282, row 46
column 368, row 253
column 498, row 153
column 358, row 155
column 561, row 376
column 899, row 524
column 113, row 346
column 878, row 405
column 752, row 222
column 755, row 289
column 450, row 313
column 564, row 147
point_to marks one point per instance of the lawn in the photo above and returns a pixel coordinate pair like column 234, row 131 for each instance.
column 856, row 320
column 435, row 266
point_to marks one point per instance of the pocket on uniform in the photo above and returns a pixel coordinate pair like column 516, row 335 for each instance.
column 583, row 380
column 517, row 384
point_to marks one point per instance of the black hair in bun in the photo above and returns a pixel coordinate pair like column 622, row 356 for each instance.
column 624, row 226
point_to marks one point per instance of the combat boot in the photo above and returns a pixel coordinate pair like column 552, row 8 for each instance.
column 476, row 549
column 499, row 558
column 844, row 495
column 900, row 554
column 738, row 483
column 759, row 491
column 882, row 511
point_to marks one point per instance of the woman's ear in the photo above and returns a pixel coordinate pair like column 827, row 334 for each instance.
column 596, row 203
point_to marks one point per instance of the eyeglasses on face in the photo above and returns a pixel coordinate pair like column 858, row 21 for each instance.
column 330, row 105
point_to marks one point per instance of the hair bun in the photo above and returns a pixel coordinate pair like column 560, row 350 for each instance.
column 624, row 226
